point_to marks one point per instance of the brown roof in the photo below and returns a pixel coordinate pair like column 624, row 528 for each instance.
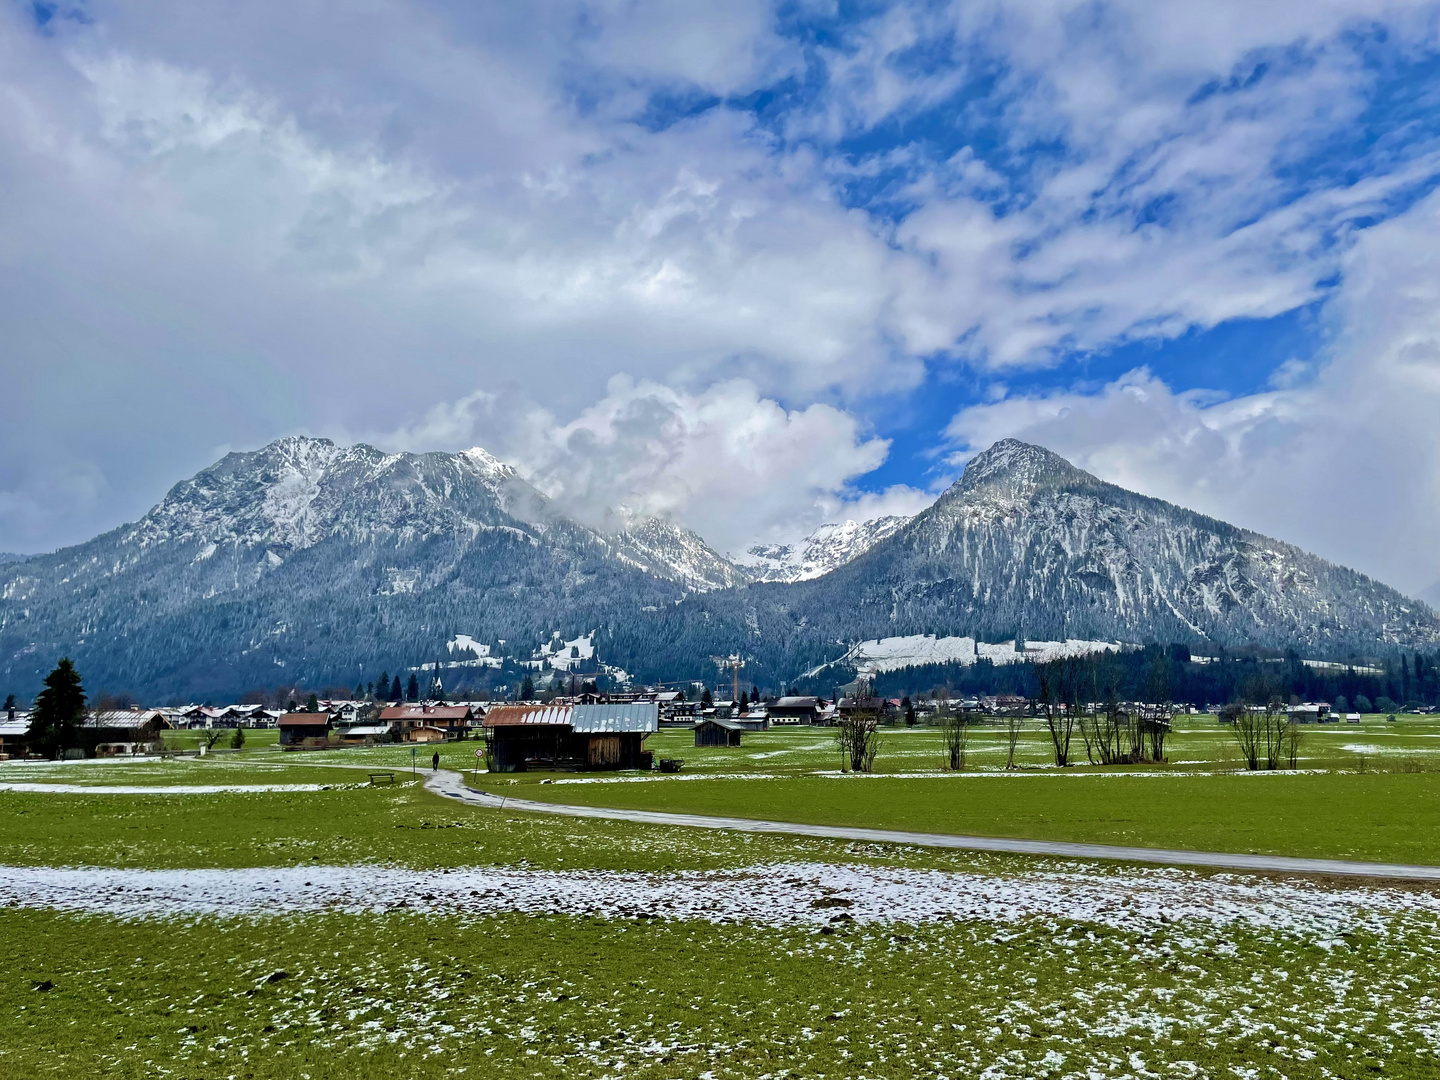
column 510, row 715
column 427, row 712
column 301, row 719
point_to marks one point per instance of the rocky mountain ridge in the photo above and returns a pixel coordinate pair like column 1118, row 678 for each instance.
column 828, row 548
column 310, row 561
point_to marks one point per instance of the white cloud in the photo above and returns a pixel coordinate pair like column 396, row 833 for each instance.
column 220, row 229
column 736, row 467
column 1346, row 464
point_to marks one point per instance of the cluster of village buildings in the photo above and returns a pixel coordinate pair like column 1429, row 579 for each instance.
column 593, row 730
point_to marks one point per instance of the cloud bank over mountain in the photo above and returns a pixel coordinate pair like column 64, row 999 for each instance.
column 739, row 263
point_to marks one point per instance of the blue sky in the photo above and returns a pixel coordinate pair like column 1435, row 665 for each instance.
column 754, row 266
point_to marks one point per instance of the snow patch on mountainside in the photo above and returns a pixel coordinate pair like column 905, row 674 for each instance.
column 878, row 655
column 828, row 547
column 560, row 654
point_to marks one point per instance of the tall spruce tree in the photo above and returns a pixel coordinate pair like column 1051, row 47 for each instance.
column 59, row 708
column 412, row 692
column 396, row 694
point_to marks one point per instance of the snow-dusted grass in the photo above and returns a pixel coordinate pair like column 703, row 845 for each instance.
column 769, row 894
column 362, row 932
column 403, row 994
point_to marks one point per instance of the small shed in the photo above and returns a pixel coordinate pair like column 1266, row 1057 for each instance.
column 717, row 732
column 296, row 727
column 365, row 734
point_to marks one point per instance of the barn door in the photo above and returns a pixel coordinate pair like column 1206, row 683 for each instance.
column 604, row 751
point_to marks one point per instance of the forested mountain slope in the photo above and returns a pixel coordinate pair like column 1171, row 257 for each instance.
column 307, row 560
column 1027, row 545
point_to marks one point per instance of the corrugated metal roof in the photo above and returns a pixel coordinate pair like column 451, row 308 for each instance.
column 509, row 715
column 595, row 719
column 14, row 728
column 728, row 725
column 426, row 712
column 367, row 729
column 124, row 718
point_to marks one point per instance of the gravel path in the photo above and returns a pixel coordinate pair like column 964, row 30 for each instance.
column 452, row 785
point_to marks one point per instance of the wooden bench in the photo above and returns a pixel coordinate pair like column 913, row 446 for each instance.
column 375, row 777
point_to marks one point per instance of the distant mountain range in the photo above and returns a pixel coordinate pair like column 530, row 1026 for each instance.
column 827, row 548
column 307, row 561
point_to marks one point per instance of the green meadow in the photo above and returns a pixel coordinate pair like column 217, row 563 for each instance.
column 414, row 993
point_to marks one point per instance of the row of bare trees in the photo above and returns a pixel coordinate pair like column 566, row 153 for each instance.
column 1268, row 737
column 1079, row 695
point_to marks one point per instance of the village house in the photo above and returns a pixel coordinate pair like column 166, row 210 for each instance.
column 428, row 723
column 14, row 726
column 796, row 710
column 121, row 732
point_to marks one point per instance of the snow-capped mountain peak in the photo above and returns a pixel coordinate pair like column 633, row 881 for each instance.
column 487, row 464
column 830, row 546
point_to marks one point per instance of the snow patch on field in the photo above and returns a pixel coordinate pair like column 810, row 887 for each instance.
column 783, row 894
column 878, row 655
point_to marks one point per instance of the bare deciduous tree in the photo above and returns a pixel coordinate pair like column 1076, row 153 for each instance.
column 1268, row 737
column 1059, row 703
column 1014, row 724
column 955, row 727
column 859, row 739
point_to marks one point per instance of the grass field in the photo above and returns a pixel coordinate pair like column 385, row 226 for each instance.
column 1044, row 971
column 562, row 997
column 1338, row 806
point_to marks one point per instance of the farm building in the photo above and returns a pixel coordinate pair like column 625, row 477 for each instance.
column 121, row 731
column 796, row 710
column 297, row 727
column 753, row 720
column 524, row 737
column 715, row 732
column 365, row 734
column 14, row 727
column 417, row 723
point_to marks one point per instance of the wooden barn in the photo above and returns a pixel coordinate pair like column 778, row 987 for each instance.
column 298, row 727
column 520, row 738
column 121, row 731
column 717, row 732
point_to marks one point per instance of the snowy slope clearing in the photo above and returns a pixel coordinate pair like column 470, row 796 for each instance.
column 872, row 657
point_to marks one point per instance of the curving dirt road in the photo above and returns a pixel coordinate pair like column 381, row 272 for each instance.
column 452, row 785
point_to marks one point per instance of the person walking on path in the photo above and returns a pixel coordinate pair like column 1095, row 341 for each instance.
column 435, row 762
